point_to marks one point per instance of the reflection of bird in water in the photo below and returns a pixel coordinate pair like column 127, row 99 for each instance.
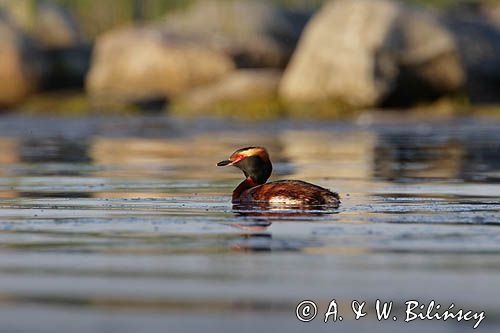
column 258, row 242
column 254, row 191
column 254, row 225
column 265, row 212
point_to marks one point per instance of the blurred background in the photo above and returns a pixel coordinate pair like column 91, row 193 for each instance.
column 254, row 59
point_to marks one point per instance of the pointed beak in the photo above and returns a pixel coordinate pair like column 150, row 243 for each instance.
column 224, row 163
column 232, row 161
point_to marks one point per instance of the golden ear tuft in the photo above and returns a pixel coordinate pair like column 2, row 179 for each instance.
column 251, row 151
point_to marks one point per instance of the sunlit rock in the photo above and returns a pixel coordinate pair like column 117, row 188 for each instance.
column 140, row 64
column 372, row 52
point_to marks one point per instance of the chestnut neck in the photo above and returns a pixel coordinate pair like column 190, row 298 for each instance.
column 244, row 185
column 257, row 170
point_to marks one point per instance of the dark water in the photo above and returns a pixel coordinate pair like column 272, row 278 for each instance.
column 125, row 225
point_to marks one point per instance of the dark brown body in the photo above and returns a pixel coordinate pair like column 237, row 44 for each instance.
column 288, row 192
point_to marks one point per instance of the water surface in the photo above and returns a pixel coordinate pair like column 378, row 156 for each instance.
column 125, row 224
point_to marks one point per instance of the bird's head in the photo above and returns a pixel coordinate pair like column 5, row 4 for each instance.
column 253, row 161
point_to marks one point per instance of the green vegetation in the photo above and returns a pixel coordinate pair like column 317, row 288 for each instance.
column 248, row 109
column 256, row 109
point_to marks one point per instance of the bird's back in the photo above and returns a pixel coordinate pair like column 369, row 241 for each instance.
column 290, row 192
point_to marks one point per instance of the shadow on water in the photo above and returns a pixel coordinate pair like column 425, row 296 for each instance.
column 258, row 217
column 54, row 150
column 406, row 156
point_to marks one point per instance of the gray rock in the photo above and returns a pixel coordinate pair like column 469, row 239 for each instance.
column 146, row 63
column 255, row 33
column 366, row 53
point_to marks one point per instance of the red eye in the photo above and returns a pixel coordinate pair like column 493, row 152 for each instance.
column 238, row 158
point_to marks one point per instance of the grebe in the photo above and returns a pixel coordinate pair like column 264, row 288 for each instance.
column 257, row 167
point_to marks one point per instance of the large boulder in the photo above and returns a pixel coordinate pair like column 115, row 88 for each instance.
column 20, row 65
column 366, row 53
column 255, row 33
column 146, row 63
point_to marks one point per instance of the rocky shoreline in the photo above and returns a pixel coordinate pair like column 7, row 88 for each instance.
column 231, row 57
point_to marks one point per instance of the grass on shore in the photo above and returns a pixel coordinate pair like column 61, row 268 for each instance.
column 258, row 109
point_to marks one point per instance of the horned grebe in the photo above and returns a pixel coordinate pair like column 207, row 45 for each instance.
column 257, row 167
